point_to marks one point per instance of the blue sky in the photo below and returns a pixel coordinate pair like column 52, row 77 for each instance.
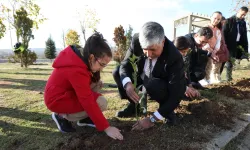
column 62, row 15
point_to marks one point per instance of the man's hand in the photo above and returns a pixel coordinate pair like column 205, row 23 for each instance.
column 130, row 90
column 143, row 124
column 192, row 93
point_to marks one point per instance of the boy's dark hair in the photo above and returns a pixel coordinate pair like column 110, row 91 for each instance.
column 205, row 31
column 244, row 8
column 181, row 43
column 97, row 46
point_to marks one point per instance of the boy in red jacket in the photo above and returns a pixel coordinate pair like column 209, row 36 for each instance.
column 70, row 91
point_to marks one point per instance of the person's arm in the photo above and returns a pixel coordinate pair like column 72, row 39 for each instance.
column 176, row 87
column 186, row 65
column 218, row 41
column 80, row 81
column 188, row 78
column 245, row 40
column 204, row 52
column 126, row 68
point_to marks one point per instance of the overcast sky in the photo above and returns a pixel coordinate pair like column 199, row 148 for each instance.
column 62, row 15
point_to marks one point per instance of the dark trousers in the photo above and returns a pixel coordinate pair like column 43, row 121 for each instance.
column 222, row 67
column 229, row 70
column 156, row 88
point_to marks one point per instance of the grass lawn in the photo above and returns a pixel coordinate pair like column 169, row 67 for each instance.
column 25, row 122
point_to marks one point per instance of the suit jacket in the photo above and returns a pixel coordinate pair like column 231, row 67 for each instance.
column 169, row 67
column 197, row 57
column 230, row 32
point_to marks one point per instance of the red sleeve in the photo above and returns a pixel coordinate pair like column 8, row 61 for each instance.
column 80, row 81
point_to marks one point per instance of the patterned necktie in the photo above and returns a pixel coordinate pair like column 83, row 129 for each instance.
column 148, row 71
column 150, row 68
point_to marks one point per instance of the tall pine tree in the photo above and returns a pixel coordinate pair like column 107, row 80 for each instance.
column 50, row 50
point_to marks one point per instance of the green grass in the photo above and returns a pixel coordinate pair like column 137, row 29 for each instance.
column 25, row 122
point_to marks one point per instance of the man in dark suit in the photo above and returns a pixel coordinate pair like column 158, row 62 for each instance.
column 235, row 33
column 160, row 70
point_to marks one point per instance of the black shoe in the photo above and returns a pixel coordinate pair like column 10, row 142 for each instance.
column 172, row 119
column 63, row 124
column 86, row 122
column 129, row 111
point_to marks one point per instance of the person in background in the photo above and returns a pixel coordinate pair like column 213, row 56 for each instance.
column 215, row 47
column 182, row 44
column 223, row 46
column 235, row 34
column 198, row 57
column 71, row 92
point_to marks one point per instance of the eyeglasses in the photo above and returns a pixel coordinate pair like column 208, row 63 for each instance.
column 101, row 64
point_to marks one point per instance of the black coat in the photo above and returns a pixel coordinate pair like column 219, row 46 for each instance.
column 230, row 32
column 197, row 57
column 169, row 67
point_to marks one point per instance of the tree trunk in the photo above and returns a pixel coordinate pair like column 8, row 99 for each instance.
column 84, row 36
column 21, row 59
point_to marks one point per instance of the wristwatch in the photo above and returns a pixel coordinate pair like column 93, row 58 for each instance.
column 152, row 119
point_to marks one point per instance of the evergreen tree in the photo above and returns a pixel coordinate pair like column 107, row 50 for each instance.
column 50, row 50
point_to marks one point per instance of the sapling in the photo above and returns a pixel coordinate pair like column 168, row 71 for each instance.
column 143, row 95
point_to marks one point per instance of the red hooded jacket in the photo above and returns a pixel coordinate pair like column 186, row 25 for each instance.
column 68, row 88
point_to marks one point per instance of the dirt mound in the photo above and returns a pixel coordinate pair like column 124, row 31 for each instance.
column 244, row 83
column 156, row 138
column 193, row 117
column 207, row 113
column 239, row 89
column 198, row 121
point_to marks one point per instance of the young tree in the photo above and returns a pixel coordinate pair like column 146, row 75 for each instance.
column 50, row 50
column 239, row 3
column 72, row 38
column 129, row 36
column 23, row 25
column 29, row 58
column 89, row 22
column 63, row 39
column 23, row 21
column 26, row 56
column 8, row 12
column 120, row 41
column 2, row 28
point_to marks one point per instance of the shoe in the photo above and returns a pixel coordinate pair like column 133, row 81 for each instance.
column 86, row 122
column 197, row 85
column 129, row 111
column 204, row 82
column 172, row 119
column 63, row 124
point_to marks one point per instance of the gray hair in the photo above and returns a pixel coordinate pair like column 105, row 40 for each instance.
column 150, row 34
